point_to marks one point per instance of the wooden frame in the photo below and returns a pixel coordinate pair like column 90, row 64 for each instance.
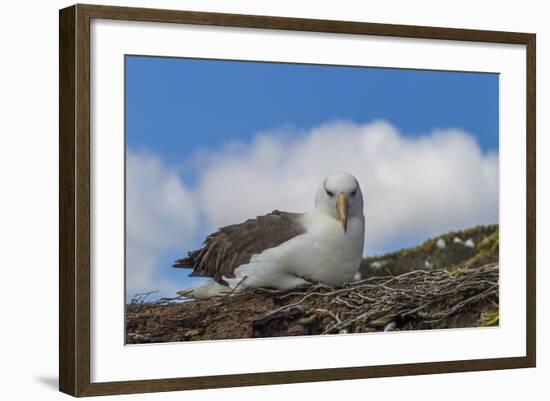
column 74, row 199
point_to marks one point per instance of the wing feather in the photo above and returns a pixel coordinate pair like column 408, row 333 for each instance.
column 231, row 246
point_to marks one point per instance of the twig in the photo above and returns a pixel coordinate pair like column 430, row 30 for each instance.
column 238, row 284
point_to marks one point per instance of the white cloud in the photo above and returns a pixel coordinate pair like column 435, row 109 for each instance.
column 415, row 187
column 160, row 214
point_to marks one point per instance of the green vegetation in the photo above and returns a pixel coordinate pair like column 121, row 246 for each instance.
column 487, row 251
column 452, row 251
column 458, row 272
column 490, row 318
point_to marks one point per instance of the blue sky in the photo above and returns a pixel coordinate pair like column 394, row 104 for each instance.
column 189, row 103
column 177, row 108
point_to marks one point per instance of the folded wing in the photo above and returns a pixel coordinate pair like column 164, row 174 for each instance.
column 231, row 246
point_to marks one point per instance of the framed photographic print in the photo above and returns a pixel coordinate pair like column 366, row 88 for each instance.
column 250, row 200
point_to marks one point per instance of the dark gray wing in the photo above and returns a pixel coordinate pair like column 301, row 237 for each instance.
column 231, row 246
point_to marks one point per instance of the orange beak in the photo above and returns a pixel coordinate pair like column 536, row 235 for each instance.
column 342, row 209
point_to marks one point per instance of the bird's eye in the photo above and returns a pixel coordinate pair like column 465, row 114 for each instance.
column 354, row 191
column 329, row 193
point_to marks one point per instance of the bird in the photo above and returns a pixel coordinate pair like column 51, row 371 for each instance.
column 284, row 250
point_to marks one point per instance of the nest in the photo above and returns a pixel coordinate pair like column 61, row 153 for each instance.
column 412, row 301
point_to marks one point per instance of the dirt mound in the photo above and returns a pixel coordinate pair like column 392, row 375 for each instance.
column 457, row 249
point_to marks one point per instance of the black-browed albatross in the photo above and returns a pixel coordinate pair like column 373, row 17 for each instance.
column 285, row 250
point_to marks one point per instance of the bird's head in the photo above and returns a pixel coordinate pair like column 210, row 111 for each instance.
column 339, row 195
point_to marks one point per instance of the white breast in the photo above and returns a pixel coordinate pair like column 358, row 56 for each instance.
column 334, row 256
column 324, row 253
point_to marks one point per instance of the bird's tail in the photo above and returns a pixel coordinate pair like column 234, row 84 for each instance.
column 184, row 262
column 188, row 261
